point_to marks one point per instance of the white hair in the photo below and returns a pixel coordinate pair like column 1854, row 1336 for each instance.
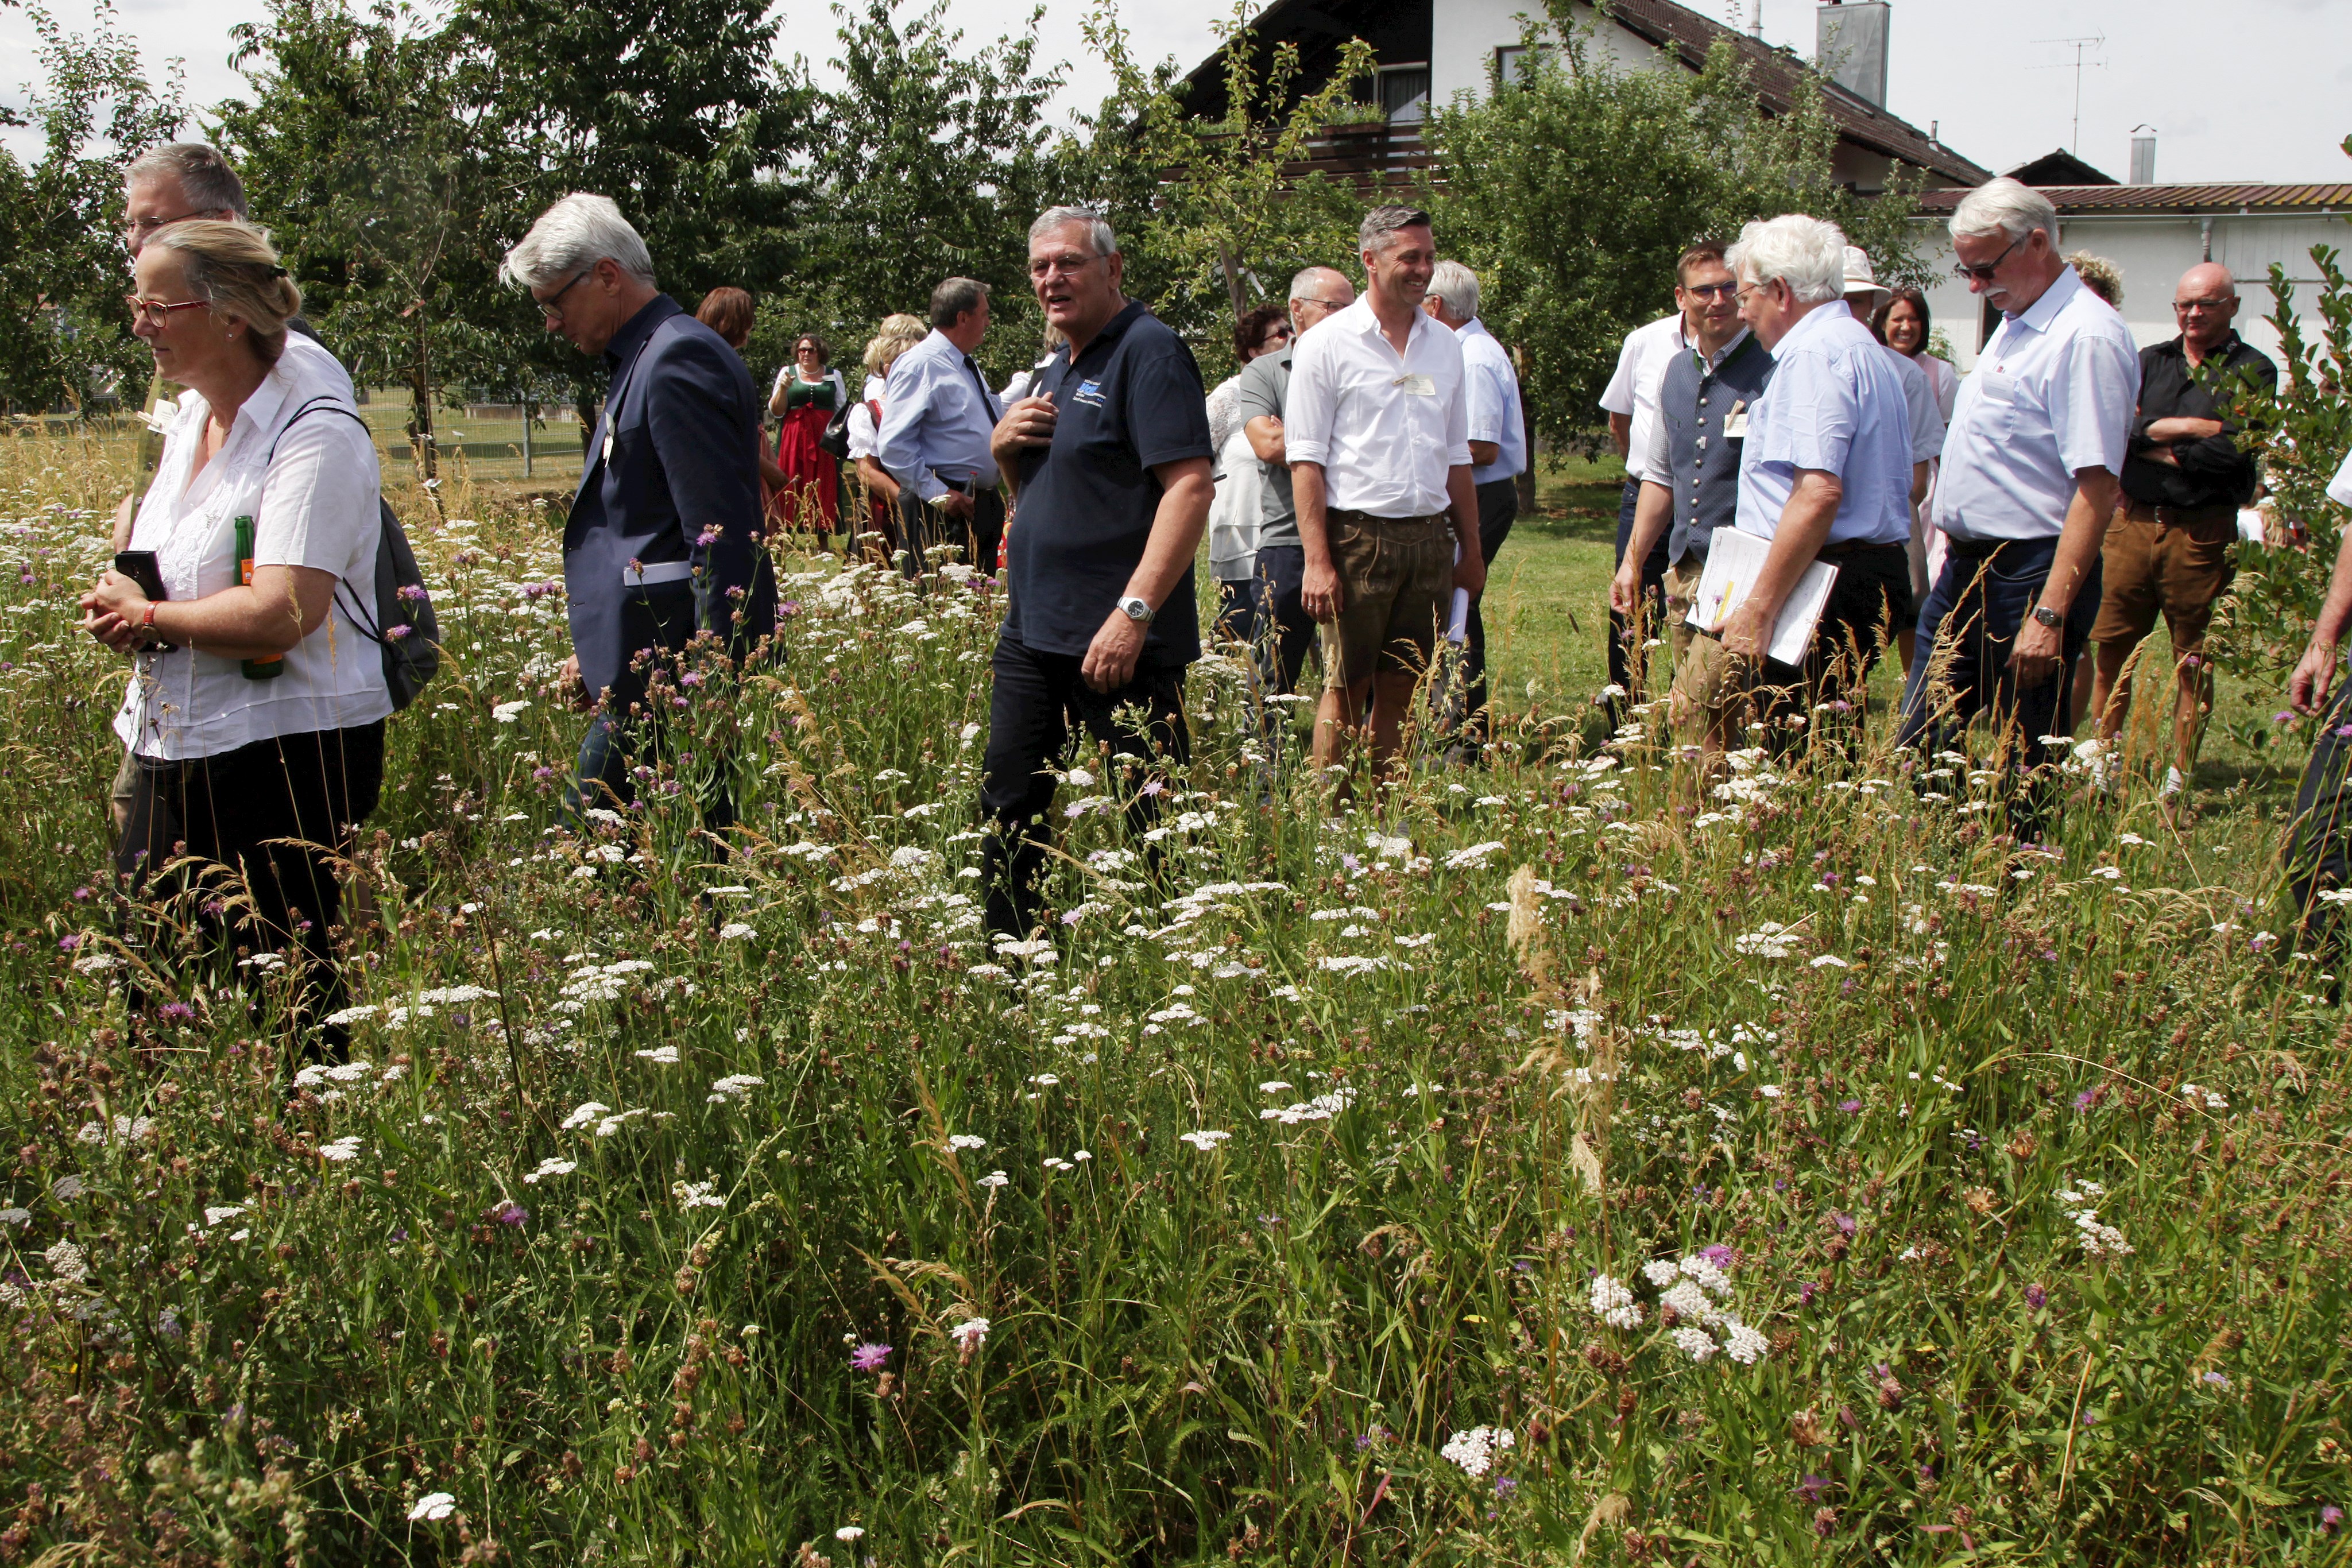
column 574, row 235
column 1806, row 254
column 2005, row 208
column 1456, row 286
column 1097, row 227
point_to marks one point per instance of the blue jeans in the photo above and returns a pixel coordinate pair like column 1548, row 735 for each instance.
column 1967, row 626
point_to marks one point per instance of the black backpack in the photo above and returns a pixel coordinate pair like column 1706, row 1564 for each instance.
column 403, row 627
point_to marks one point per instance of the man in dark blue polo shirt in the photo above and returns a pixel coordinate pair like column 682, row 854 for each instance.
column 663, row 543
column 1109, row 465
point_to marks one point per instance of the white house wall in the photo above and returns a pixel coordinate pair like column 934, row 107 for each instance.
column 2152, row 251
column 1465, row 34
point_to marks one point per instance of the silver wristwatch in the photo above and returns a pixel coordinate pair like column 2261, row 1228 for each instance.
column 1136, row 610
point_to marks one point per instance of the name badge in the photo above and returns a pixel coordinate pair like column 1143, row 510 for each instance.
column 608, row 444
column 1417, row 386
column 1735, row 424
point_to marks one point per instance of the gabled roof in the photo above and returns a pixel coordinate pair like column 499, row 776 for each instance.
column 2059, row 168
column 1777, row 72
column 2218, row 199
column 1687, row 35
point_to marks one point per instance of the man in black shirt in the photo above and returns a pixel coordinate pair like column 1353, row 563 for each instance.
column 1109, row 464
column 2183, row 480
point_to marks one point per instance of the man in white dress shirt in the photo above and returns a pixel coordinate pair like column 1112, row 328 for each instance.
column 935, row 431
column 2319, row 849
column 2029, row 481
column 1824, row 475
column 1377, row 436
column 1498, row 451
column 1630, row 400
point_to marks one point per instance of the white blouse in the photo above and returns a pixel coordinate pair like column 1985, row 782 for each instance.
column 314, row 505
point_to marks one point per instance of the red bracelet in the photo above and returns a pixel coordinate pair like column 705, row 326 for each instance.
column 147, row 621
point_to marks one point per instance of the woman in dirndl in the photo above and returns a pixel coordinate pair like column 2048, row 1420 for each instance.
column 806, row 396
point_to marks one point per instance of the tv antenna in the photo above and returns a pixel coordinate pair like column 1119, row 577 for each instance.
column 2078, row 65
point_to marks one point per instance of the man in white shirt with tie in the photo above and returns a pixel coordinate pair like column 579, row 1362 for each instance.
column 936, row 424
column 1377, row 437
column 2030, row 477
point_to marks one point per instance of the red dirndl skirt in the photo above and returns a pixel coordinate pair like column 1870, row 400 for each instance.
column 810, row 497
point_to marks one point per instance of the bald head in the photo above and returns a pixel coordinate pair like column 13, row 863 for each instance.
column 2205, row 303
column 1317, row 292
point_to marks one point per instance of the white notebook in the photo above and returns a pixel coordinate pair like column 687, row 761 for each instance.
column 1733, row 561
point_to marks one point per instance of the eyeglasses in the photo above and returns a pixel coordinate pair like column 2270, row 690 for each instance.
column 2186, row 306
column 156, row 313
column 1326, row 304
column 1712, row 290
column 1063, row 266
column 1984, row 274
column 148, row 225
column 548, row 307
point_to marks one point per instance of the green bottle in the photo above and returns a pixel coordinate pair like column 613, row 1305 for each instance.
column 270, row 668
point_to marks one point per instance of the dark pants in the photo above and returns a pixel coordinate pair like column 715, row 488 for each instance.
column 1236, row 620
column 1975, row 607
column 622, row 748
column 2319, row 845
column 231, row 811
column 927, row 528
column 1286, row 633
column 1030, row 712
column 1653, row 598
column 1867, row 605
column 1498, row 509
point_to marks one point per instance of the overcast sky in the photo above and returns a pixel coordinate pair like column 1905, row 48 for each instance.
column 2252, row 90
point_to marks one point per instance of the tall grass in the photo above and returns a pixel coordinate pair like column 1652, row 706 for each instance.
column 1521, row 1166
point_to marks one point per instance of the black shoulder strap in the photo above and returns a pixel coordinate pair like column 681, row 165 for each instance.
column 360, row 620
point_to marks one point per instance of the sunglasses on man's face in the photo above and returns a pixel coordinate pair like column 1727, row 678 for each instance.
column 1984, row 274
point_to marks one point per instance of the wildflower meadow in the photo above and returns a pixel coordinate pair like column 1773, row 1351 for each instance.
column 1539, row 1163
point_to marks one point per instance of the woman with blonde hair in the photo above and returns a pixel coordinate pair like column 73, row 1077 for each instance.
column 898, row 334
column 255, row 704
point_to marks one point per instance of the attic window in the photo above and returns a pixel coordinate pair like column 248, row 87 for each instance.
column 1511, row 62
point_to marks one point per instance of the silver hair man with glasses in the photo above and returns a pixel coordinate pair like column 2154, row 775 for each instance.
column 664, row 543
column 2030, row 474
column 1285, row 632
column 1379, row 440
column 1498, row 449
column 1108, row 457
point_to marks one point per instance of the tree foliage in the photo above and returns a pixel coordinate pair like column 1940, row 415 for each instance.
column 1572, row 189
column 65, row 333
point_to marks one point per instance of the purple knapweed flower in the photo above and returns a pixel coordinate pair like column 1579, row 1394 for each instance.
column 510, row 1213
column 1843, row 1221
column 1849, row 1106
column 869, row 1357
column 2036, row 1297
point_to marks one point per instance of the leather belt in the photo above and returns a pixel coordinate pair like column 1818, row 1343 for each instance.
column 2181, row 516
column 1848, row 549
column 659, row 571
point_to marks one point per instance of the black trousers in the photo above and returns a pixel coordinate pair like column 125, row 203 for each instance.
column 1036, row 704
column 276, row 814
column 1867, row 605
column 926, row 527
column 2319, row 844
column 1653, row 600
column 1498, row 509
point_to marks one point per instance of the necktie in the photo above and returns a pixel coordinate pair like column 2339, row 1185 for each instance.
column 987, row 399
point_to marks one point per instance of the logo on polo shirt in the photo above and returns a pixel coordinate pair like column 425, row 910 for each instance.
column 1089, row 393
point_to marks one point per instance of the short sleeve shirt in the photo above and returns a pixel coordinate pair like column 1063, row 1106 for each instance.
column 1131, row 401
column 2053, row 393
column 1261, row 391
column 2339, row 489
column 1634, row 389
column 1834, row 404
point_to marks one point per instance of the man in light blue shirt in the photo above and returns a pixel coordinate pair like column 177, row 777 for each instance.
column 1498, row 451
column 2031, row 478
column 1824, row 475
column 937, row 417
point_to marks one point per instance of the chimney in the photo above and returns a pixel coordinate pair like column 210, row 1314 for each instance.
column 1850, row 40
column 2143, row 161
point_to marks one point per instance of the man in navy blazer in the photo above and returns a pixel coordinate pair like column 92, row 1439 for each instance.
column 665, row 538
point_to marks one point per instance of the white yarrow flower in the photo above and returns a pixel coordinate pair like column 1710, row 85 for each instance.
column 1613, row 1304
column 1696, row 1343
column 432, row 1508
